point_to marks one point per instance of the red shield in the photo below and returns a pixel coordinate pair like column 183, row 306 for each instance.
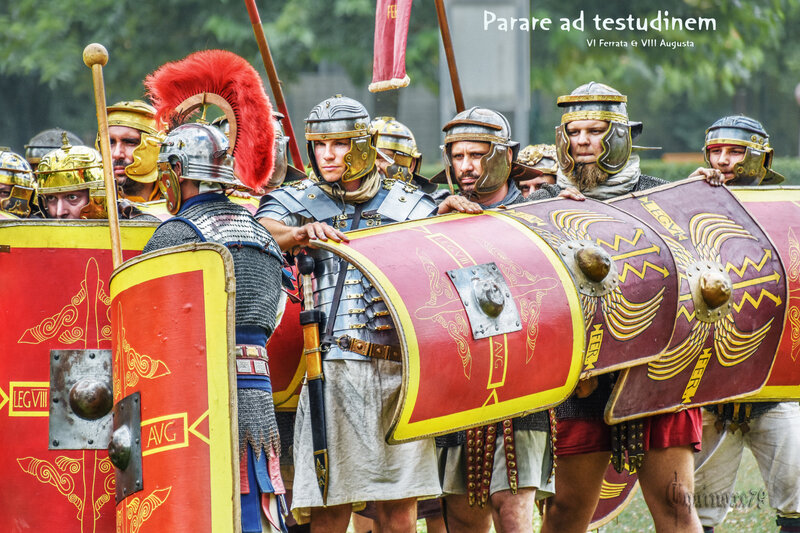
column 55, row 294
column 616, row 492
column 723, row 347
column 777, row 210
column 172, row 338
column 494, row 376
column 287, row 366
column 630, row 314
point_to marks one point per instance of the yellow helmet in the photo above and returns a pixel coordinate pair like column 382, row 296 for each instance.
column 139, row 116
column 16, row 172
column 73, row 168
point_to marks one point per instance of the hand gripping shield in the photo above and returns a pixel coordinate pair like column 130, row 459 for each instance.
column 173, row 447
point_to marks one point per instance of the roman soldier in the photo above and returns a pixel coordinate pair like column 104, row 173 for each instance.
column 361, row 364
column 737, row 152
column 196, row 167
column 497, row 468
column 594, row 147
column 134, row 140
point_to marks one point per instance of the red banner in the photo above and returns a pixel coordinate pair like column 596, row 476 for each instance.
column 391, row 32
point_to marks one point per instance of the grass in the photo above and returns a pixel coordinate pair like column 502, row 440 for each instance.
column 636, row 517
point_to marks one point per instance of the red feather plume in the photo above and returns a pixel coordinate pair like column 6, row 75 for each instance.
column 234, row 79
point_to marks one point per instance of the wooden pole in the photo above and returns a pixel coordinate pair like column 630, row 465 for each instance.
column 96, row 56
column 274, row 83
column 444, row 29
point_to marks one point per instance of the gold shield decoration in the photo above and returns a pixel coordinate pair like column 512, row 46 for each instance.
column 54, row 284
column 439, row 277
column 732, row 303
column 624, row 273
column 172, row 343
column 777, row 210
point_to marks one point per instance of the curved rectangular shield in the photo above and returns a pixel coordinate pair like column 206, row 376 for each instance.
column 287, row 366
column 777, row 210
column 486, row 313
column 172, row 341
column 623, row 271
column 54, row 284
column 732, row 303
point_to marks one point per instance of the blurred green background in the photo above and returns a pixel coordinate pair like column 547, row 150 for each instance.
column 749, row 64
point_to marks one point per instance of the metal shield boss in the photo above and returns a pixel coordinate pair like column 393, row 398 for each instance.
column 485, row 312
column 624, row 275
column 55, row 376
column 173, row 448
column 731, row 306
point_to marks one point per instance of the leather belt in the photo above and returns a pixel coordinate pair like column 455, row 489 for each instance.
column 251, row 351
column 369, row 349
column 251, row 360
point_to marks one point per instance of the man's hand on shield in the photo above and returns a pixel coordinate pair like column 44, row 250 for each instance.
column 456, row 202
column 317, row 230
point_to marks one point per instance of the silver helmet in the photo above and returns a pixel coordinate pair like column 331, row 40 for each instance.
column 283, row 170
column 47, row 141
column 479, row 124
column 340, row 117
column 597, row 101
column 755, row 166
column 16, row 173
column 202, row 151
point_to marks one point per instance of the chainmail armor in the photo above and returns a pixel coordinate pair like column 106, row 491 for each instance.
column 255, row 257
column 257, row 424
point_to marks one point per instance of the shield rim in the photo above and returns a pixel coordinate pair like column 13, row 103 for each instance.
column 400, row 430
column 223, row 490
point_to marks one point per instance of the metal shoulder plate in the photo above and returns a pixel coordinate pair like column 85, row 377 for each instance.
column 304, row 199
column 406, row 202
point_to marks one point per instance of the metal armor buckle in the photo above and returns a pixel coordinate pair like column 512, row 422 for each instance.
column 369, row 349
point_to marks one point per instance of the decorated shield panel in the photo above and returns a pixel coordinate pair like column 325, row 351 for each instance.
column 616, row 492
column 731, row 306
column 529, row 364
column 172, row 341
column 624, row 273
column 54, row 286
column 777, row 210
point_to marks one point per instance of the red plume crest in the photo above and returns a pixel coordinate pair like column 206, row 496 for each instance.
column 234, row 79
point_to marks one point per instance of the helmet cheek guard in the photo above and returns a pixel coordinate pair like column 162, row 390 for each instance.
column 565, row 161
column 19, row 201
column 170, row 187
column 495, row 169
column 617, row 145
column 144, row 168
column 752, row 169
column 360, row 159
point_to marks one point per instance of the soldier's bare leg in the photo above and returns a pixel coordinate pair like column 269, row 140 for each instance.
column 513, row 513
column 397, row 516
column 667, row 481
column 334, row 519
column 461, row 517
column 578, row 481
